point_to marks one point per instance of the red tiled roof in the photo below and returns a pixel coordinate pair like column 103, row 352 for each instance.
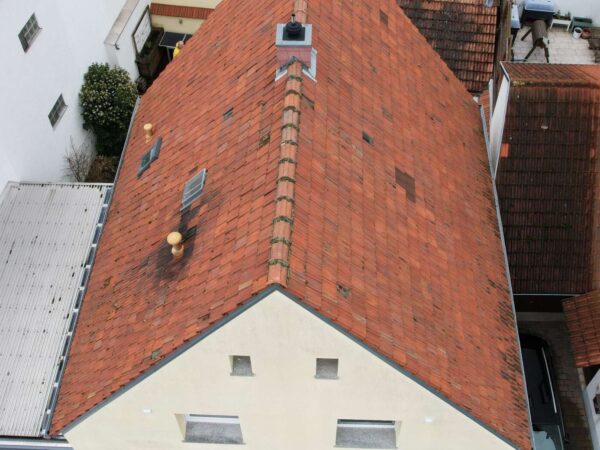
column 463, row 32
column 547, row 174
column 188, row 12
column 583, row 321
column 560, row 75
column 395, row 240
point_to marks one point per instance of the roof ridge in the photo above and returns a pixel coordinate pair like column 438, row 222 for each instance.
column 283, row 221
column 281, row 241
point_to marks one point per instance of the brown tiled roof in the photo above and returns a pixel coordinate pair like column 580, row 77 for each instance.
column 463, row 32
column 188, row 12
column 546, row 176
column 583, row 321
column 394, row 239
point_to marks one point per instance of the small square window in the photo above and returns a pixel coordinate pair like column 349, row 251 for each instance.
column 57, row 110
column 193, row 188
column 241, row 366
column 366, row 434
column 29, row 32
column 149, row 157
column 213, row 429
column 327, row 368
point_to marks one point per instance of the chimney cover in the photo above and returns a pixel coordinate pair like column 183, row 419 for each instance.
column 293, row 30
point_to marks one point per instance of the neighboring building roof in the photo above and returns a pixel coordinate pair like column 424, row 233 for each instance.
column 463, row 32
column 546, row 176
column 380, row 169
column 188, row 12
column 583, row 321
column 46, row 232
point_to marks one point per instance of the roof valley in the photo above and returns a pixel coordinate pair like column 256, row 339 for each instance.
column 283, row 222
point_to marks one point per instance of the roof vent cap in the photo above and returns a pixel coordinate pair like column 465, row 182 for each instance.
column 175, row 240
column 294, row 31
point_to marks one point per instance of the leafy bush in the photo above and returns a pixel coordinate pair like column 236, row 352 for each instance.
column 107, row 99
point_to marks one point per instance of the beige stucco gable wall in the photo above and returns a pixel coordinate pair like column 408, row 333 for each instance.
column 283, row 406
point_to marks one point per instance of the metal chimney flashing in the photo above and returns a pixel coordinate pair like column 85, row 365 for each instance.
column 281, row 42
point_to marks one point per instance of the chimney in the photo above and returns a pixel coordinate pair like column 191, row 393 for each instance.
column 293, row 40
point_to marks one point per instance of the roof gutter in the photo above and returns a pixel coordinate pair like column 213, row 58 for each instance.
column 505, row 72
column 546, row 295
column 33, row 444
column 46, row 425
column 510, row 289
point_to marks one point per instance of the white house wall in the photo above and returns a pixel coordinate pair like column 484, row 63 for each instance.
column 282, row 406
column 71, row 38
column 7, row 173
column 580, row 8
column 182, row 24
column 176, row 24
column 122, row 52
column 497, row 124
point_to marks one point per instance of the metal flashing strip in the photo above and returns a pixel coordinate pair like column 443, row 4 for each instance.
column 89, row 261
column 485, row 131
column 252, row 302
column 33, row 444
column 511, row 294
column 108, row 202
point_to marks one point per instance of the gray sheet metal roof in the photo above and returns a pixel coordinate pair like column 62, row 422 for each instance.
column 47, row 235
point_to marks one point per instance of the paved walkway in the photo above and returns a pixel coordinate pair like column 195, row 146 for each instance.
column 564, row 48
column 569, row 390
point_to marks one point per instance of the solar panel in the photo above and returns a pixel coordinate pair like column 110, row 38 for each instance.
column 193, row 188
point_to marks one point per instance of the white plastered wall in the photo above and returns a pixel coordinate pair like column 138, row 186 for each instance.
column 195, row 3
column 283, row 406
column 176, row 24
column 71, row 38
column 497, row 123
column 580, row 8
column 589, row 394
column 182, row 24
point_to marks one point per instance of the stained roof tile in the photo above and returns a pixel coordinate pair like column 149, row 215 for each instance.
column 463, row 32
column 583, row 322
column 547, row 174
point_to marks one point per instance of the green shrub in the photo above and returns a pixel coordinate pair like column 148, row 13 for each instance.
column 107, row 99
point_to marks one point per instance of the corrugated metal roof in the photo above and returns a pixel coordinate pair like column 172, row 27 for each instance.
column 46, row 233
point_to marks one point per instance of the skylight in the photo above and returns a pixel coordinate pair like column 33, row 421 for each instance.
column 193, row 188
column 149, row 157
